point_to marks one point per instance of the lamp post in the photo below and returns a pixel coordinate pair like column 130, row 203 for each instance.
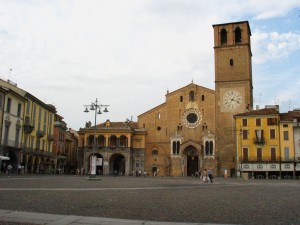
column 94, row 106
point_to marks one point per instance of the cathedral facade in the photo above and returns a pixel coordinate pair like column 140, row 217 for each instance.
column 180, row 136
column 194, row 128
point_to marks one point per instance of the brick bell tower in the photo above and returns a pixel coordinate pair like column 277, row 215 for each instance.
column 233, row 88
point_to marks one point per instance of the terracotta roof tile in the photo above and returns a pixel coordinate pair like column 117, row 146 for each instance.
column 133, row 125
column 265, row 111
column 290, row 115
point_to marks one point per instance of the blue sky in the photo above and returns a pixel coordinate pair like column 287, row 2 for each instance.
column 129, row 53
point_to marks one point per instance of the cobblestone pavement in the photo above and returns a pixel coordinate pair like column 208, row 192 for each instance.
column 186, row 200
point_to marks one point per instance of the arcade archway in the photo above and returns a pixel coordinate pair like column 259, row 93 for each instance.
column 117, row 164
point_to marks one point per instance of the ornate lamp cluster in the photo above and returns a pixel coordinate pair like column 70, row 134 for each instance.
column 95, row 106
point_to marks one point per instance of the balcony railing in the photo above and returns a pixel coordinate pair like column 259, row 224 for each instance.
column 259, row 141
column 28, row 128
column 50, row 137
column 40, row 133
column 266, row 159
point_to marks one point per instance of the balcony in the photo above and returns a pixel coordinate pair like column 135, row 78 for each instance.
column 259, row 141
column 50, row 137
column 264, row 159
column 40, row 134
column 28, row 128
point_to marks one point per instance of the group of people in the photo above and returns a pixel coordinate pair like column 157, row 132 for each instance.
column 7, row 169
column 139, row 173
column 206, row 175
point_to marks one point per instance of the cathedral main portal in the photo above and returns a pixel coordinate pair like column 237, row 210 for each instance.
column 192, row 165
column 191, row 161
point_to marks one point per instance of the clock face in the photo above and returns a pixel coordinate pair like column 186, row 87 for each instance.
column 192, row 118
column 232, row 99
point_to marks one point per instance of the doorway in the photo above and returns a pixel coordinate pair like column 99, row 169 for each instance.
column 192, row 161
column 117, row 164
column 192, row 165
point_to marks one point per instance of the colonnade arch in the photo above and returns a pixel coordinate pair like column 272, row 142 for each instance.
column 117, row 164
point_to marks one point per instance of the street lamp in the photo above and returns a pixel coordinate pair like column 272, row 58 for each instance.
column 94, row 106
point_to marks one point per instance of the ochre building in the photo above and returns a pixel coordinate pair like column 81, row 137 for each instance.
column 118, row 147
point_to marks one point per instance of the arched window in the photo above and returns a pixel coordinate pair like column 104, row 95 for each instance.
column 123, row 141
column 91, row 140
column 113, row 141
column 238, row 35
column 211, row 148
column 223, row 36
column 101, row 141
column 231, row 62
column 192, row 96
column 206, row 148
column 203, row 98
column 176, row 147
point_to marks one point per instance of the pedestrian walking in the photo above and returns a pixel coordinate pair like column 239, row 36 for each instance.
column 210, row 176
column 9, row 168
column 19, row 169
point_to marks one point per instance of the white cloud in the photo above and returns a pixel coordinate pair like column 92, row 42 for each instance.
column 126, row 53
column 274, row 46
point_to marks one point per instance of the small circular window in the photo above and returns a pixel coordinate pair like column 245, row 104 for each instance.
column 192, row 118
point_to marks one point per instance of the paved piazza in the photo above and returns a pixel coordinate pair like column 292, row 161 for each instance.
column 188, row 200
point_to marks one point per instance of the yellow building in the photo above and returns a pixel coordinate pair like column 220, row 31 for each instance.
column 265, row 143
column 38, row 136
column 36, row 131
column 11, row 124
